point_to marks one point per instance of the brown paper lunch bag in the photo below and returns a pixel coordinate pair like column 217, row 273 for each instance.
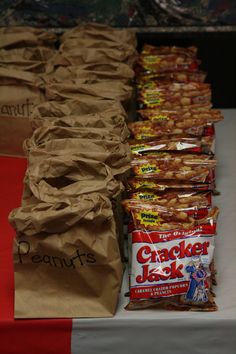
column 66, row 259
column 103, row 32
column 67, row 174
column 108, row 119
column 71, row 44
column 19, row 92
column 51, row 178
column 38, row 67
column 28, row 59
column 47, row 133
column 84, row 104
column 105, row 89
column 90, row 72
column 83, row 56
column 28, row 53
column 115, row 154
column 18, row 37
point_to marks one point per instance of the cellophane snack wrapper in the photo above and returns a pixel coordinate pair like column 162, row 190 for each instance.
column 174, row 166
column 175, row 95
column 184, row 143
column 173, row 198
column 140, row 183
column 165, row 50
column 158, row 123
column 160, row 63
column 172, row 261
column 158, row 79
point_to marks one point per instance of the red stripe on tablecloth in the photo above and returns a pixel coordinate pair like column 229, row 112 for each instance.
column 21, row 336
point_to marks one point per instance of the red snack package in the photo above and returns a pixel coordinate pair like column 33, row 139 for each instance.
column 172, row 269
column 167, row 257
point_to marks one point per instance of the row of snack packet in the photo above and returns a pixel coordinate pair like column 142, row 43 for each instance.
column 78, row 157
column 172, row 223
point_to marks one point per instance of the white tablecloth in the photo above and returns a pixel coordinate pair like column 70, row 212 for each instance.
column 154, row 331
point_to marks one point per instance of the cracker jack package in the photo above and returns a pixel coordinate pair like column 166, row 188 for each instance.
column 172, row 269
column 172, row 272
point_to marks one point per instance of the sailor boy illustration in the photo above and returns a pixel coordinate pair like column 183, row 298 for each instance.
column 196, row 290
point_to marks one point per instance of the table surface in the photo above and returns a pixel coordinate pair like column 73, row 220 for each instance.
column 181, row 332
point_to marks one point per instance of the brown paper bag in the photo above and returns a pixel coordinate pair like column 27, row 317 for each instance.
column 75, row 43
column 101, row 32
column 89, row 72
column 84, row 104
column 19, row 92
column 53, row 178
column 83, row 56
column 14, row 130
column 39, row 67
column 17, row 37
column 66, row 259
column 109, row 119
column 47, row 133
column 106, row 89
column 27, row 53
column 28, row 59
column 115, row 154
